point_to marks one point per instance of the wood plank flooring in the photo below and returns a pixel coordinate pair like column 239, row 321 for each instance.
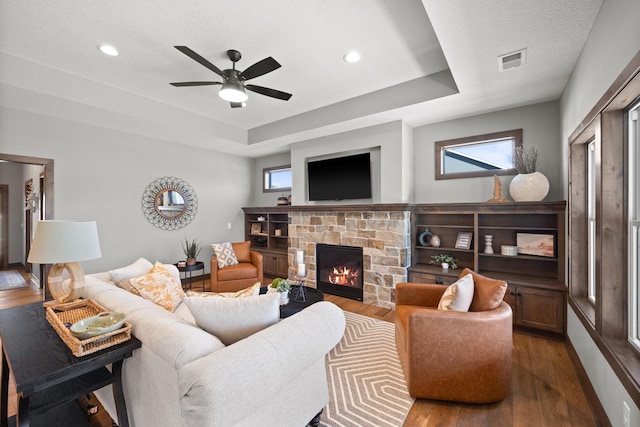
column 545, row 388
column 545, row 391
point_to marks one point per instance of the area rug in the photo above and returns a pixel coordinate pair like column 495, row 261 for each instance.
column 11, row 280
column 366, row 383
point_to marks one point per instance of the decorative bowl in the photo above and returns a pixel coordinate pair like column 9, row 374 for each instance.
column 101, row 323
column 509, row 250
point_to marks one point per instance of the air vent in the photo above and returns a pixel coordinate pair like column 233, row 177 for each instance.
column 512, row 60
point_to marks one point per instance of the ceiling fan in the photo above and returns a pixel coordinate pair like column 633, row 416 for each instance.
column 233, row 84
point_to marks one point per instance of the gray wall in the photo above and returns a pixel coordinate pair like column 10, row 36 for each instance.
column 100, row 174
column 540, row 124
column 258, row 197
column 11, row 174
column 612, row 43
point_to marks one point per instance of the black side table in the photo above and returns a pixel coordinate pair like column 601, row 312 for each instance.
column 48, row 377
column 199, row 265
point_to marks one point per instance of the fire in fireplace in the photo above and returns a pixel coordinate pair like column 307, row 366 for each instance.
column 339, row 270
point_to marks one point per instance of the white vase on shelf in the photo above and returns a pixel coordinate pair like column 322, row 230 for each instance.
column 529, row 187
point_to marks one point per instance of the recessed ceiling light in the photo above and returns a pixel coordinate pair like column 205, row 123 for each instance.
column 352, row 56
column 108, row 50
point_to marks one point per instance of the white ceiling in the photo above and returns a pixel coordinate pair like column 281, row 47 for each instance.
column 412, row 52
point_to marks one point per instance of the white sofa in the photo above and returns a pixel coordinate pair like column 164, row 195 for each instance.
column 184, row 376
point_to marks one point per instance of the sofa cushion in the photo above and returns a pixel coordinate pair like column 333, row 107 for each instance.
column 233, row 319
column 458, row 295
column 243, row 270
column 246, row 292
column 242, row 251
column 160, row 287
column 225, row 254
column 487, row 293
column 121, row 276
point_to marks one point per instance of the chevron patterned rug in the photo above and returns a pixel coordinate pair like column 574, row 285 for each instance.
column 366, row 383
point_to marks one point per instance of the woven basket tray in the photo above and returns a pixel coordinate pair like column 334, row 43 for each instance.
column 75, row 311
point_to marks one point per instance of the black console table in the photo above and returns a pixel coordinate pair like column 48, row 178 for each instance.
column 48, row 377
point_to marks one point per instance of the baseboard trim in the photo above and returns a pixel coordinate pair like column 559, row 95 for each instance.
column 587, row 387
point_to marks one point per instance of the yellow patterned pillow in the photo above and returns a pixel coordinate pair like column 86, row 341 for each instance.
column 247, row 292
column 160, row 287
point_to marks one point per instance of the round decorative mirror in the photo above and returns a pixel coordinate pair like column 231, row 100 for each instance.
column 169, row 203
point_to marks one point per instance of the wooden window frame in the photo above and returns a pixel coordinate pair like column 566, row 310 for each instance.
column 266, row 171
column 607, row 320
column 516, row 134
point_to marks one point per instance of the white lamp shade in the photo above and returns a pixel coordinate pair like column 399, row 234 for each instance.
column 64, row 241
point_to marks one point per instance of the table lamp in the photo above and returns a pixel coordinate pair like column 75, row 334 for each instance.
column 64, row 243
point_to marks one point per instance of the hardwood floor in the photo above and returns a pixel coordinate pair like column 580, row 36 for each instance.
column 545, row 391
column 545, row 387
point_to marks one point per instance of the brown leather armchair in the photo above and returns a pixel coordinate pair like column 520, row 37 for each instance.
column 451, row 355
column 242, row 275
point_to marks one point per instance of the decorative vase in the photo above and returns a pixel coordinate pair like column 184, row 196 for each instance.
column 284, row 297
column 445, row 266
column 488, row 240
column 435, row 241
column 191, row 261
column 529, row 187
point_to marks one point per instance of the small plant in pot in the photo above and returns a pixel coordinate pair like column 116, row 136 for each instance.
column 191, row 250
column 282, row 286
column 444, row 260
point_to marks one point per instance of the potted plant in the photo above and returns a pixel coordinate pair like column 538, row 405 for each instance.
column 529, row 185
column 446, row 261
column 282, row 286
column 191, row 250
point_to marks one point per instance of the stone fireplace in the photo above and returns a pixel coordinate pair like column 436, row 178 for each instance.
column 382, row 231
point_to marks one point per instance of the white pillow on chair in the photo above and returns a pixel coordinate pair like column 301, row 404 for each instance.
column 458, row 295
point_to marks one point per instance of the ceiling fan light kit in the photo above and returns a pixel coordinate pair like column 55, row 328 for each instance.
column 233, row 84
column 233, row 92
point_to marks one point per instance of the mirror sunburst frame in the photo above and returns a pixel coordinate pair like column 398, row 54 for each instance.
column 169, row 203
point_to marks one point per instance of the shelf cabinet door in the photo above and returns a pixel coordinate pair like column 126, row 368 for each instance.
column 275, row 264
column 438, row 279
column 539, row 309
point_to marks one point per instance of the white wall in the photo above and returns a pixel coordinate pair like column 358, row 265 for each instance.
column 541, row 128
column 612, row 43
column 101, row 174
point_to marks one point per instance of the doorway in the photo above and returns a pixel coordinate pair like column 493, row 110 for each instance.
column 46, row 209
column 4, row 227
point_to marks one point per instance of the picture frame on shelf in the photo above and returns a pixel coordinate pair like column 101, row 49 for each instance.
column 536, row 244
column 256, row 228
column 464, row 240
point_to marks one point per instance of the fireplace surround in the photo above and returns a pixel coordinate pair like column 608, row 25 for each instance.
column 382, row 231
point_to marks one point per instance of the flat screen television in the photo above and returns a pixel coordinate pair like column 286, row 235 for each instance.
column 340, row 178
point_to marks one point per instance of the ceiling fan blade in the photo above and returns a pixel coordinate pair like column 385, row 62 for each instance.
column 269, row 92
column 260, row 68
column 199, row 59
column 182, row 84
column 237, row 104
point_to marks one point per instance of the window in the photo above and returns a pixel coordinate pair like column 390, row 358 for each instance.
column 591, row 220
column 633, row 142
column 276, row 179
column 480, row 155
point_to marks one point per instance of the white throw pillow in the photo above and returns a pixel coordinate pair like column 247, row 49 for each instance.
column 233, row 319
column 122, row 275
column 458, row 295
column 225, row 254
